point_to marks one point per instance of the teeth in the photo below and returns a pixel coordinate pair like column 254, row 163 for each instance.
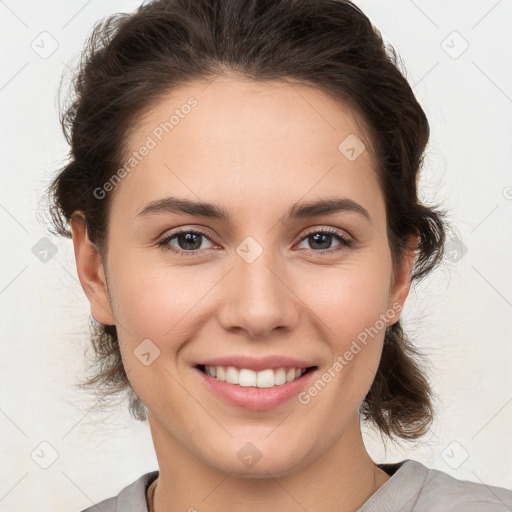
column 249, row 378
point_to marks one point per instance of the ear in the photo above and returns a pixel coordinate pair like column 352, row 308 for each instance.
column 401, row 283
column 90, row 271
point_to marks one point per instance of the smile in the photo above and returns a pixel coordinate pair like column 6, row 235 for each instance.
column 245, row 377
column 253, row 390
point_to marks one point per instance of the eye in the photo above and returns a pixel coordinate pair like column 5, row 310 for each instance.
column 189, row 242
column 321, row 239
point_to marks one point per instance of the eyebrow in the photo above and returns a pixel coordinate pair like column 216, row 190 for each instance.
column 169, row 205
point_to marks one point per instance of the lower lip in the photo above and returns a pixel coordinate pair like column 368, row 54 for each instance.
column 253, row 398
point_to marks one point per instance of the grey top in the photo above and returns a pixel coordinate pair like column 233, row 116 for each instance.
column 412, row 488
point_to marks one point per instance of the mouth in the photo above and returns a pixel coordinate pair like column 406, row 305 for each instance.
column 254, row 390
column 245, row 377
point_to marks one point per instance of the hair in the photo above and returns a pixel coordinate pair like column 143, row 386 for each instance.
column 131, row 61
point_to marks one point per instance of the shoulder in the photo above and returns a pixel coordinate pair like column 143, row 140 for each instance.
column 131, row 498
column 413, row 487
column 440, row 490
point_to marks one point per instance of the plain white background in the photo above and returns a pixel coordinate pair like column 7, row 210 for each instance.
column 458, row 59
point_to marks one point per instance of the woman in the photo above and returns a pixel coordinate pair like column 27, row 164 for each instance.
column 242, row 198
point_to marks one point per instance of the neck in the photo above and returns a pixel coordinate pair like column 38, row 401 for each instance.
column 341, row 479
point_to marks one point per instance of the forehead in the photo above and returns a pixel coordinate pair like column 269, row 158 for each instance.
column 237, row 139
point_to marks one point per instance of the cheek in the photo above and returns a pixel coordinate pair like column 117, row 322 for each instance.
column 154, row 301
column 165, row 305
column 154, row 308
column 353, row 305
column 161, row 301
column 350, row 299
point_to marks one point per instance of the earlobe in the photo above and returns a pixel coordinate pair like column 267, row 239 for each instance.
column 402, row 282
column 90, row 271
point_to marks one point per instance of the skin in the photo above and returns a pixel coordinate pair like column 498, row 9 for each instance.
column 255, row 149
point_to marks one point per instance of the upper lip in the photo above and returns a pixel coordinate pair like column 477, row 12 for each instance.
column 257, row 364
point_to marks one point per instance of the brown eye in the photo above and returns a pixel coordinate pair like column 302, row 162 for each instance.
column 189, row 242
column 321, row 240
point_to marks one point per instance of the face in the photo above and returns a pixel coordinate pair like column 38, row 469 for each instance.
column 269, row 284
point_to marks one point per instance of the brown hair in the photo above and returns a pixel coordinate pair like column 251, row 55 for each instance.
column 132, row 60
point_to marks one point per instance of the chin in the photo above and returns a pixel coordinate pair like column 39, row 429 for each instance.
column 251, row 464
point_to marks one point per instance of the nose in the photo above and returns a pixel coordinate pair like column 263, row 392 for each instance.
column 258, row 299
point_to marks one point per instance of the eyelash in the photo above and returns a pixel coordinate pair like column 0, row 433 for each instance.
column 344, row 242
